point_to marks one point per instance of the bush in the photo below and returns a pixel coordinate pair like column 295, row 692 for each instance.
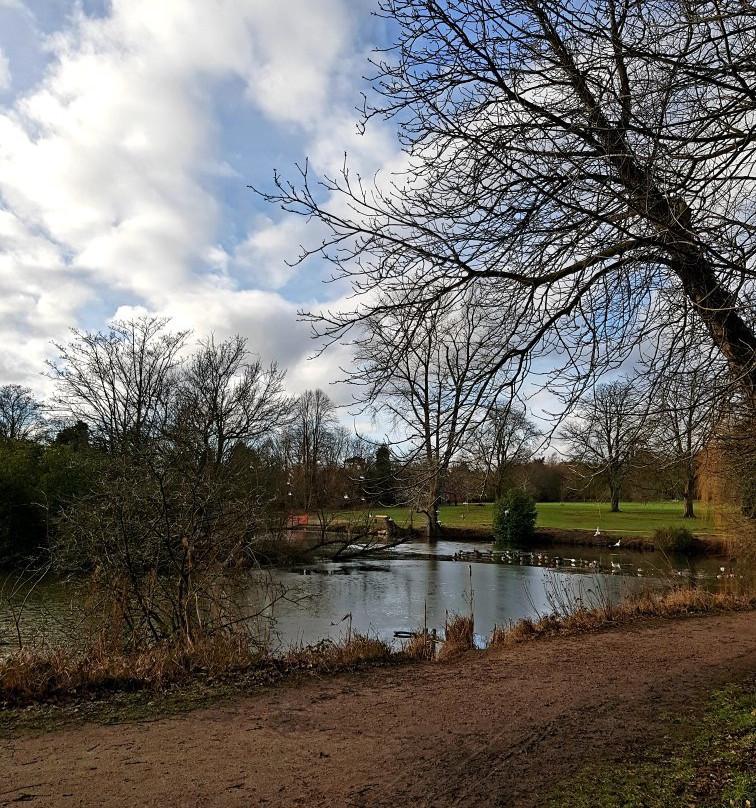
column 673, row 539
column 514, row 518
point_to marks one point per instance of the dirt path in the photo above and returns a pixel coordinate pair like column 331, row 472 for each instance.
column 494, row 728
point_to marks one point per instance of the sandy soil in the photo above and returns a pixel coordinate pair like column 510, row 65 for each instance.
column 491, row 729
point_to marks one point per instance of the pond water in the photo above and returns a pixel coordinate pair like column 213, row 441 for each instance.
column 417, row 586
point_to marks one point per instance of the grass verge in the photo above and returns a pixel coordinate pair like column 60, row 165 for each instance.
column 639, row 606
column 714, row 767
column 42, row 691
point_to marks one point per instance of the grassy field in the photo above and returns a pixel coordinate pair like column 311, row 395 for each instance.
column 634, row 519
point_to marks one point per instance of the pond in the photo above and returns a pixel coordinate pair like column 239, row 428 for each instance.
column 416, row 585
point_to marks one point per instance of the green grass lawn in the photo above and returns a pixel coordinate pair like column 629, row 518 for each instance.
column 635, row 518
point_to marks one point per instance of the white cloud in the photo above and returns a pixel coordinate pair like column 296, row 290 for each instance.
column 110, row 169
column 5, row 73
column 267, row 257
column 270, row 325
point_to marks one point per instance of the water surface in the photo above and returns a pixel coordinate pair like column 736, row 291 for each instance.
column 417, row 587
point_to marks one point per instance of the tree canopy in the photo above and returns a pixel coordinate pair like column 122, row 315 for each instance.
column 587, row 168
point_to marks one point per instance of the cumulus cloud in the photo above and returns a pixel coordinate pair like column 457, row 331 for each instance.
column 112, row 177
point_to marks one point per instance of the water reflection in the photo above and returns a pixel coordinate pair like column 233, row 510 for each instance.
column 406, row 595
column 419, row 585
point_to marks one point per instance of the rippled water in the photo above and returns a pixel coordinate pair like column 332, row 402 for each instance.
column 418, row 586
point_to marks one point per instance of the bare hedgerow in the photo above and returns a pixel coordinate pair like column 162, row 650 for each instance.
column 174, row 517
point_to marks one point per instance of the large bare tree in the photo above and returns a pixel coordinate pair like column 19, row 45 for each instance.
column 175, row 506
column 226, row 397
column 422, row 369
column 119, row 382
column 587, row 167
column 606, row 433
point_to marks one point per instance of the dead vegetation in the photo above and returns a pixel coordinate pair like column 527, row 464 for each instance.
column 421, row 647
column 329, row 656
column 32, row 676
column 39, row 676
column 641, row 605
column 459, row 636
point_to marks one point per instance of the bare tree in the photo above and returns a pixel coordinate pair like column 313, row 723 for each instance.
column 587, row 167
column 311, row 448
column 504, row 439
column 686, row 406
column 605, row 434
column 431, row 388
column 119, row 382
column 224, row 399
column 176, row 507
column 21, row 415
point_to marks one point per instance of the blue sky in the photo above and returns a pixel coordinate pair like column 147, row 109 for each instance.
column 129, row 131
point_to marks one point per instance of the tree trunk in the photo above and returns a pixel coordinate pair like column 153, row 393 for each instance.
column 434, row 526
column 435, row 497
column 720, row 313
column 615, row 498
column 717, row 307
column 688, row 495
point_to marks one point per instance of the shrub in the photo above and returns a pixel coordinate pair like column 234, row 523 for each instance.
column 673, row 539
column 514, row 518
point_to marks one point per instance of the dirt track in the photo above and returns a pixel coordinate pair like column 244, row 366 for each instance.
column 492, row 729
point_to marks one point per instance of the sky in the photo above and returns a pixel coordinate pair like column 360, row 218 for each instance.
column 129, row 132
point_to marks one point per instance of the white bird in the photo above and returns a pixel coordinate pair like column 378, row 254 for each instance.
column 597, row 533
column 617, row 544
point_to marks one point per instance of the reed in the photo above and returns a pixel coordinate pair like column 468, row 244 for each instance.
column 459, row 636
column 327, row 655
column 638, row 606
column 29, row 676
column 38, row 675
column 421, row 647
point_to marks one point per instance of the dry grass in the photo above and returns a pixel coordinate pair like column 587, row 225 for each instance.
column 643, row 605
column 34, row 676
column 358, row 649
column 421, row 647
column 459, row 637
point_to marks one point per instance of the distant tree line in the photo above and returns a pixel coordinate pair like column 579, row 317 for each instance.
column 144, row 432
